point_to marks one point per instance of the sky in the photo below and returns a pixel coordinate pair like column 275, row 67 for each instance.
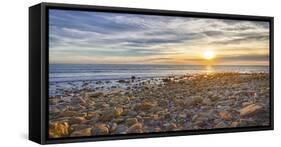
column 84, row 37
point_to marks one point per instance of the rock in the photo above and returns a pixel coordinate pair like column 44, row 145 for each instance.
column 76, row 120
column 163, row 103
column 100, row 129
column 118, row 120
column 214, row 98
column 58, row 129
column 68, row 114
column 166, row 80
column 244, row 104
column 121, row 129
column 234, row 124
column 78, row 100
column 182, row 115
column 74, row 127
column 54, row 101
column 94, row 94
column 76, row 107
column 81, row 133
column 136, row 128
column 206, row 101
column 250, row 110
column 196, row 100
column 123, row 81
column 106, row 115
column 157, row 129
column 105, row 105
column 113, row 127
column 131, row 121
column 109, row 113
column 225, row 115
column 200, row 121
column 92, row 114
column 117, row 111
column 145, row 106
column 247, row 122
column 221, row 125
column 170, row 126
column 53, row 109
column 132, row 113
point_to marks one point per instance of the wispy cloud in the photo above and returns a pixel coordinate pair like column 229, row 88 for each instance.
column 94, row 37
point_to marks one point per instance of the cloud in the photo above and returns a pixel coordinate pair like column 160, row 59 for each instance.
column 243, row 39
column 111, row 35
column 245, row 58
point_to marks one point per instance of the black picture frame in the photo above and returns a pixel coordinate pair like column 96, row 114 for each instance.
column 38, row 71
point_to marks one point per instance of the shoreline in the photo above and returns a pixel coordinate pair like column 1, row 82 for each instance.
column 80, row 84
column 188, row 102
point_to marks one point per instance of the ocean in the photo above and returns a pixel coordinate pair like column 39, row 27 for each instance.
column 84, row 72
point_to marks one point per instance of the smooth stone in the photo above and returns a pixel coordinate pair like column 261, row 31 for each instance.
column 131, row 121
column 79, row 127
column 54, row 101
column 121, row 129
column 132, row 113
column 247, row 122
column 225, row 115
column 94, row 94
column 100, row 129
column 221, row 125
column 136, row 128
column 80, row 133
column 76, row 120
column 53, row 109
column 145, row 106
column 118, row 111
column 196, row 100
column 68, row 114
column 250, row 110
column 234, row 124
column 106, row 115
column 170, row 126
column 244, row 104
column 113, row 127
column 78, row 100
column 58, row 129
column 206, row 101
column 214, row 98
column 109, row 114
column 118, row 120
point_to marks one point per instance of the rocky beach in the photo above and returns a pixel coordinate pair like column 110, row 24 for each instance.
column 170, row 103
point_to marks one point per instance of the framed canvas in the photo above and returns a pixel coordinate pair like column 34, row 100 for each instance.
column 102, row 73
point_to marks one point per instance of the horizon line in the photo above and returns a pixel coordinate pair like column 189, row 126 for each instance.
column 161, row 64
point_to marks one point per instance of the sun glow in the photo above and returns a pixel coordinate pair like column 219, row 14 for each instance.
column 208, row 55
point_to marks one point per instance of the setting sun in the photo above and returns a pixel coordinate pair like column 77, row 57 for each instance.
column 208, row 55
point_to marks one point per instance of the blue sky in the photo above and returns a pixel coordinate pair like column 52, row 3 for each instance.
column 98, row 38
